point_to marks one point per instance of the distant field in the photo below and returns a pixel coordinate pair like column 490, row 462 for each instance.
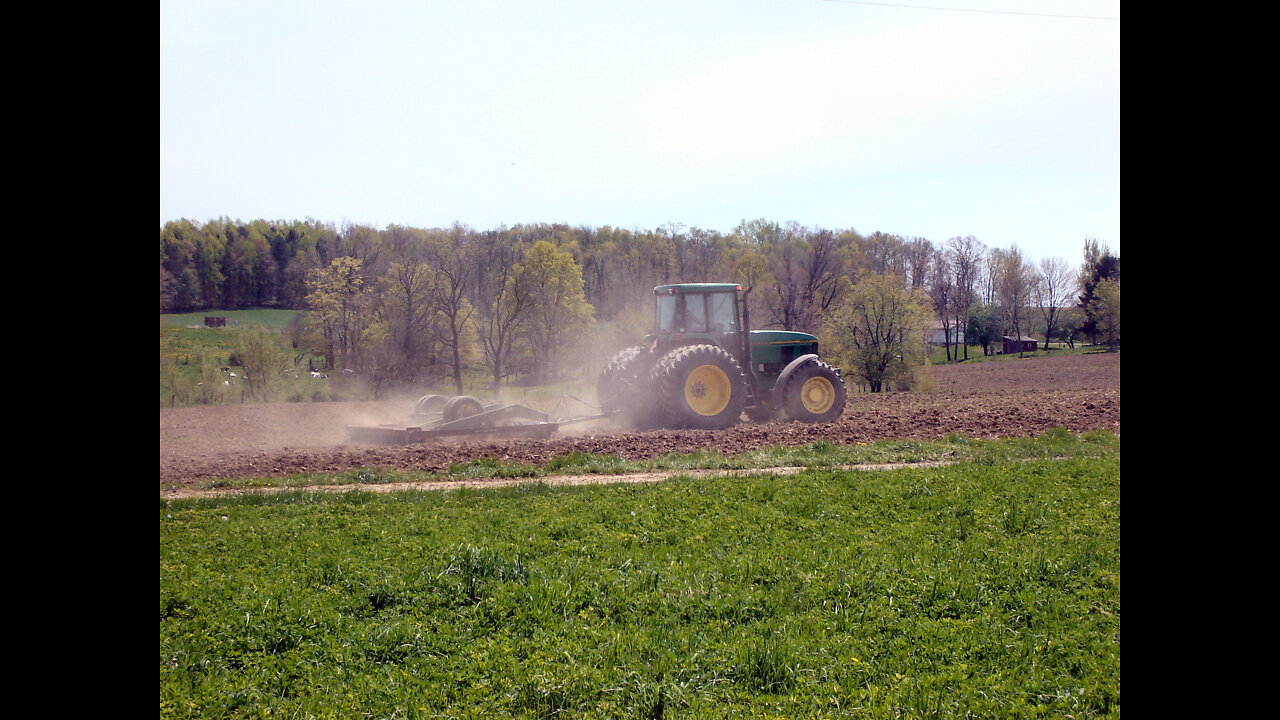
column 274, row 319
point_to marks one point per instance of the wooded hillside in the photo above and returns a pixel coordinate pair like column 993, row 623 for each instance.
column 399, row 299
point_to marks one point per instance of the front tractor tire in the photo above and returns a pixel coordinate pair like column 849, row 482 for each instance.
column 700, row 386
column 814, row 393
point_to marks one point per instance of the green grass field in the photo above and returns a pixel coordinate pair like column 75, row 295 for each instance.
column 272, row 319
column 985, row 588
column 191, row 358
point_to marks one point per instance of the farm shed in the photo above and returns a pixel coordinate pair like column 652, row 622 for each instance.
column 1013, row 345
column 937, row 334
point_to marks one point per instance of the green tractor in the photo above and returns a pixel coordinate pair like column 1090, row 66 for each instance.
column 702, row 367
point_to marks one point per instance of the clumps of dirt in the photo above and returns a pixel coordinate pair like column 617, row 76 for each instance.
column 1012, row 398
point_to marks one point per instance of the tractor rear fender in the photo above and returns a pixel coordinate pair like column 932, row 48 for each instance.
column 787, row 372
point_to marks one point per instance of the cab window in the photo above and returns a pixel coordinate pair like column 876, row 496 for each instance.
column 720, row 311
column 696, row 313
column 668, row 306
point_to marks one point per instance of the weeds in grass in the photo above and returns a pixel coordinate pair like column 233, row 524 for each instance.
column 979, row 589
column 490, row 468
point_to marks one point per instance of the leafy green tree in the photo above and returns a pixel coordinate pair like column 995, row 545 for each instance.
column 881, row 330
column 179, row 245
column 210, row 248
column 239, row 262
column 167, row 284
column 560, row 315
column 1099, row 265
column 363, row 243
column 264, row 359
column 1067, row 328
column 983, row 326
column 757, row 233
column 1104, row 308
column 294, row 276
column 700, row 255
column 751, row 271
column 337, row 295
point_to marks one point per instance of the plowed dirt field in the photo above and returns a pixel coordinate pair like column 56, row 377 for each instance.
column 1011, row 398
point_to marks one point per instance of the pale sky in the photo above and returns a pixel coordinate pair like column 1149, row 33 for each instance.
column 993, row 118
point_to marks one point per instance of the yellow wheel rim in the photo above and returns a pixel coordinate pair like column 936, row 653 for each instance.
column 707, row 390
column 818, row 395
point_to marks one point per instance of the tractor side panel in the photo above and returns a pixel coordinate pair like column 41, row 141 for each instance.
column 773, row 350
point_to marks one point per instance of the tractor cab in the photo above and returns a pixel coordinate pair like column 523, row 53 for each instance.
column 702, row 312
column 716, row 313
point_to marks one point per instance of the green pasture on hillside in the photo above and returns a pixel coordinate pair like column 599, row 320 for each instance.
column 191, row 358
column 988, row 588
column 272, row 319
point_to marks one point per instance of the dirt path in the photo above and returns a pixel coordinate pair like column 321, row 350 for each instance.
column 183, row 493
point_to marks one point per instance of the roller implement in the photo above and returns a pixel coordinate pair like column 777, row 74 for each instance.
column 699, row 367
column 702, row 367
column 440, row 417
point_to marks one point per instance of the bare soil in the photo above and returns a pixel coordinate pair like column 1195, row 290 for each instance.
column 1011, row 398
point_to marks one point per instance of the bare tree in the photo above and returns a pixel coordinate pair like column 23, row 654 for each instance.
column 990, row 271
column 964, row 258
column 405, row 303
column 450, row 256
column 1013, row 283
column 501, row 328
column 886, row 254
column 502, row 303
column 1052, row 293
column 919, row 254
column 941, row 289
column 808, row 268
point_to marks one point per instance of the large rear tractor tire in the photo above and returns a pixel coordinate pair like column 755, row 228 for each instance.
column 700, row 386
column 624, row 388
column 814, row 393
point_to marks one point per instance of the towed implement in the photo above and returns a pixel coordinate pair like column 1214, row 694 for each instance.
column 438, row 416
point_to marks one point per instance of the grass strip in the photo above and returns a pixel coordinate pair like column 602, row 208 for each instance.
column 985, row 588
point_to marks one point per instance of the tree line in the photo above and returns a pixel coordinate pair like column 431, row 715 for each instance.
column 410, row 304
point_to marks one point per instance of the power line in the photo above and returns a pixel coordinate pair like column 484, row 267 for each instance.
column 968, row 10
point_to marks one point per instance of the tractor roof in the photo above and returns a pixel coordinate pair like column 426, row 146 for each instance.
column 695, row 288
